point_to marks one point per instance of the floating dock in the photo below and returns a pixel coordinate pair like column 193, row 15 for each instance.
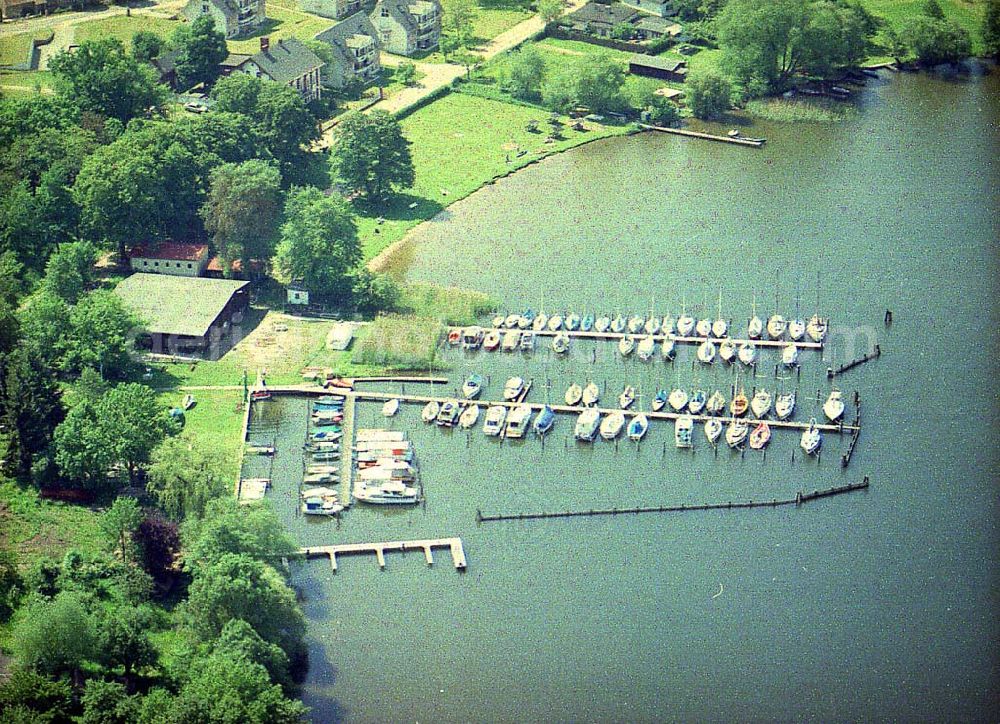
column 379, row 549
column 737, row 140
column 799, row 499
column 615, row 336
column 874, row 354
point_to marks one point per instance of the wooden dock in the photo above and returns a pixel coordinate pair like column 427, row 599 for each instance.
column 737, row 140
column 379, row 549
column 347, row 451
column 615, row 336
column 874, row 354
column 576, row 410
column 799, row 499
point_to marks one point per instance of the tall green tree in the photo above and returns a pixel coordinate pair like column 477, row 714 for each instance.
column 239, row 641
column 600, row 81
column 146, row 45
column 242, row 210
column 122, row 640
column 183, row 478
column 202, row 48
column 53, row 637
column 83, row 454
column 100, row 331
column 373, row 155
column 525, row 72
column 108, row 702
column 229, row 528
column 100, row 77
column 932, row 41
column 991, row 28
column 32, row 409
column 708, row 93
column 70, row 270
column 456, row 21
column 43, row 327
column 550, row 10
column 119, row 524
column 36, row 697
column 319, row 242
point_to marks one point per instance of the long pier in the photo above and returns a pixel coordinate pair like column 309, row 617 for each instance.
column 753, row 142
column 615, row 336
column 800, row 498
column 379, row 549
column 575, row 410
column 874, row 354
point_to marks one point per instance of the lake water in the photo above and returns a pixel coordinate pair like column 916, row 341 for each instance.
column 880, row 604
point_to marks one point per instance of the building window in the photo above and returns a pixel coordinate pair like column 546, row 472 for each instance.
column 190, row 267
column 385, row 12
column 156, row 263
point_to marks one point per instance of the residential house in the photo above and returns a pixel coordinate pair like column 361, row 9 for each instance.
column 663, row 8
column 407, row 27
column 286, row 61
column 336, row 9
column 658, row 67
column 651, row 27
column 356, row 47
column 599, row 19
column 235, row 17
column 169, row 257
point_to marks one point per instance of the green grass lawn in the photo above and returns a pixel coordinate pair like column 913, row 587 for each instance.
column 32, row 527
column 25, row 82
column 282, row 22
column 123, row 27
column 14, row 49
column 491, row 22
column 214, row 425
column 459, row 143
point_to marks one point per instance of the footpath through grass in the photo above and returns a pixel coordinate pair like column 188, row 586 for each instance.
column 123, row 27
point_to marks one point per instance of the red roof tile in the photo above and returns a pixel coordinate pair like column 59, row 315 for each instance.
column 170, row 250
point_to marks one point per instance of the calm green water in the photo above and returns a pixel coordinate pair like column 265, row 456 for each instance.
column 871, row 605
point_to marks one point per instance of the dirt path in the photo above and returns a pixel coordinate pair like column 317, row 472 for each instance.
column 62, row 38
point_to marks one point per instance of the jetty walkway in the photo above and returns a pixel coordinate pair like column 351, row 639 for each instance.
column 615, row 336
column 379, row 549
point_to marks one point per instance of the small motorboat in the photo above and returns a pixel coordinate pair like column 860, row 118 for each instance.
column 618, row 324
column 602, row 324
column 627, row 397
column 720, row 327
column 328, row 401
column 491, row 340
column 747, row 353
column 327, row 436
column 739, row 404
column 472, row 386
column 512, row 320
column 591, row 394
column 560, row 343
column 683, row 429
column 513, row 388
column 755, row 328
column 587, row 424
column 760, row 405
column 527, row 341
column 555, row 322
column 784, row 405
column 713, row 429
column 259, row 395
column 703, row 327
column 495, row 418
column 637, row 427
column 625, row 345
column 587, row 323
column 454, row 337
column 188, row 402
column 706, row 352
column 796, row 329
column 736, row 433
column 652, row 325
column 392, row 492
column 321, row 505
column 776, row 326
column 612, row 425
column 391, row 407
column 497, row 320
column 645, row 348
column 527, row 318
column 760, row 436
column 790, row 355
column 635, row 323
column 727, row 351
column 669, row 348
column 716, row 403
column 697, row 401
column 524, row 323
column 816, row 328
column 544, row 420
column 668, row 325
column 518, row 421
column 572, row 321
column 469, row 417
column 448, row 414
column 811, row 438
column 678, row 399
column 540, row 322
column 573, row 394
column 430, row 411
column 659, row 400
column 833, row 408
column 511, row 339
column 472, row 337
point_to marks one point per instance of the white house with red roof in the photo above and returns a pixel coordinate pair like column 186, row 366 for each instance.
column 170, row 257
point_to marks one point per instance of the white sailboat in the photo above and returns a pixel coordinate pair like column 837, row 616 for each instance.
column 391, row 407
column 627, row 397
column 713, row 429
column 776, row 326
column 816, row 328
column 586, row 424
column 706, row 352
column 685, row 323
column 555, row 322
column 430, row 411
column 747, row 353
column 716, row 403
column 560, row 343
column 727, row 351
column 833, row 408
column 736, row 433
column 573, row 394
column 790, row 354
column 637, row 427
column 602, row 324
column 635, row 323
column 669, row 348
column 755, row 327
column 703, row 327
column 784, row 405
column 811, row 438
column 625, row 345
column 469, row 417
column 760, row 404
column 612, row 425
column 540, row 322
column 618, row 324
column 677, row 399
column 591, row 394
column 720, row 326
column 644, row 350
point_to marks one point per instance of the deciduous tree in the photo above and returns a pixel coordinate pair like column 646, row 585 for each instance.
column 228, row 528
column 108, row 702
column 708, row 93
column 373, row 155
column 32, row 409
column 202, row 48
column 600, row 80
column 183, row 479
column 100, row 331
column 70, row 270
column 53, row 637
column 524, row 73
column 550, row 10
column 119, row 524
column 146, row 45
column 991, row 28
column 122, row 639
column 934, row 41
column 456, row 21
